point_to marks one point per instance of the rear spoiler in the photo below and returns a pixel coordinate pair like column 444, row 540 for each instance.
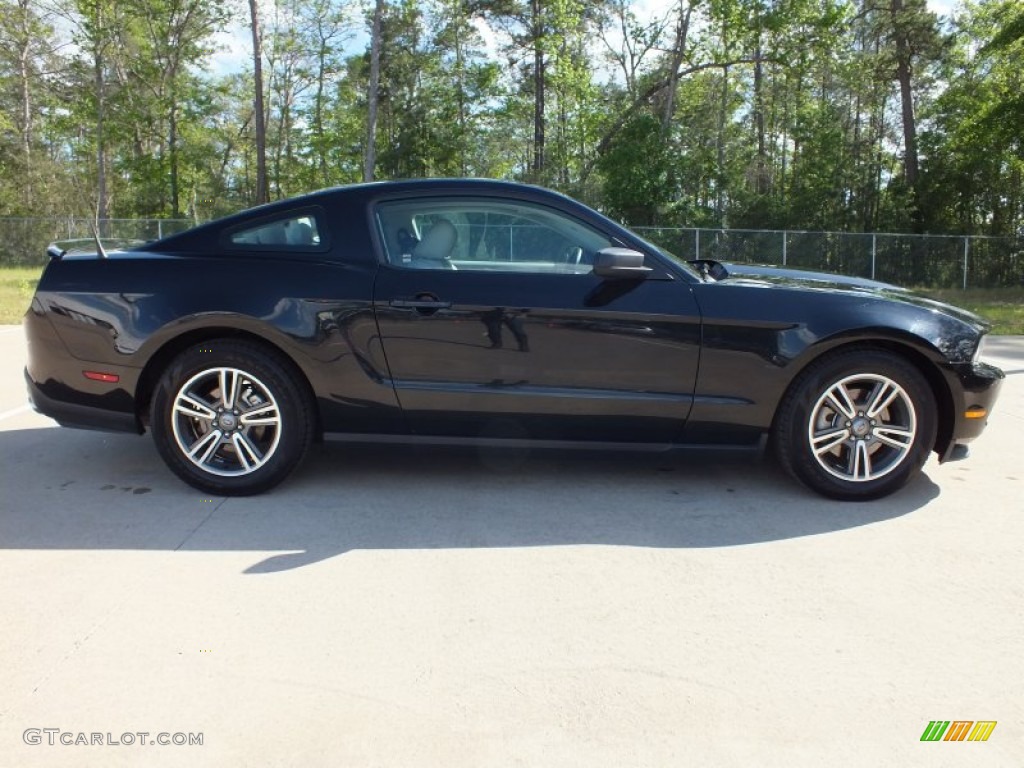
column 56, row 251
column 60, row 248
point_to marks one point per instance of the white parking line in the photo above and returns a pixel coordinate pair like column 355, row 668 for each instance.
column 5, row 329
column 15, row 411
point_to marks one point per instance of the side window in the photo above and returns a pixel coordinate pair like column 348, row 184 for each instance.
column 299, row 232
column 486, row 235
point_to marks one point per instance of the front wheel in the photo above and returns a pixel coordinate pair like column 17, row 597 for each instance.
column 856, row 425
column 229, row 419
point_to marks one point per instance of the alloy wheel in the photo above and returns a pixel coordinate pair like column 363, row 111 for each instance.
column 862, row 427
column 226, row 421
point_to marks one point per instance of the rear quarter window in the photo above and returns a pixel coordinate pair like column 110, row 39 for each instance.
column 297, row 231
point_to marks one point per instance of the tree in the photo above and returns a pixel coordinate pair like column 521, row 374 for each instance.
column 915, row 39
column 373, row 92
column 527, row 26
column 837, row 114
column 29, row 60
column 172, row 35
column 973, row 173
column 259, row 115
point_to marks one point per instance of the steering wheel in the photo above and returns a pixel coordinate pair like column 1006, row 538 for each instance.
column 573, row 254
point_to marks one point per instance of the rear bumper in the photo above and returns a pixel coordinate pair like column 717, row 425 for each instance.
column 72, row 414
column 974, row 386
column 58, row 387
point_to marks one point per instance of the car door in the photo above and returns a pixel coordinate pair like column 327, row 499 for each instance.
column 493, row 324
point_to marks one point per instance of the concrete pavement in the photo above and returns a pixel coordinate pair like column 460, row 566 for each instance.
column 414, row 607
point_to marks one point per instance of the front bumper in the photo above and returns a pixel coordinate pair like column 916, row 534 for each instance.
column 975, row 388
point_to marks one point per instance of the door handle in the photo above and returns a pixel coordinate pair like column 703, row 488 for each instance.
column 420, row 304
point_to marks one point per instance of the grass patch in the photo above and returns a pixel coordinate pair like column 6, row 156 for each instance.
column 17, row 284
column 1003, row 307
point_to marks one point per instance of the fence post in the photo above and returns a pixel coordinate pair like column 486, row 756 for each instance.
column 967, row 247
column 696, row 243
column 874, row 253
column 783, row 247
column 159, row 229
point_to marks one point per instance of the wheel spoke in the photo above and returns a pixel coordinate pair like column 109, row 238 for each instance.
column 896, row 437
column 230, row 380
column 840, row 399
column 192, row 406
column 860, row 462
column 823, row 442
column 208, row 444
column 255, row 417
column 248, row 455
column 883, row 396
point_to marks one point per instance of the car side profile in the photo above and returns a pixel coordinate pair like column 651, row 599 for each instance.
column 482, row 311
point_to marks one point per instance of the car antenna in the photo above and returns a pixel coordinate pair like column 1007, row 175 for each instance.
column 100, row 250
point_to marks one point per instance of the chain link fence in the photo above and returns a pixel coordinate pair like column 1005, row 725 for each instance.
column 23, row 241
column 917, row 261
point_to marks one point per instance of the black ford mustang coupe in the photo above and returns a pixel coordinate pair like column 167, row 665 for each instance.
column 471, row 310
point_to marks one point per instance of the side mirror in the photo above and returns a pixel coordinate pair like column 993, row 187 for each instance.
column 620, row 263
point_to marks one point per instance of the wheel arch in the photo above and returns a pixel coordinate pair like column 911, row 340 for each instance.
column 926, row 367
column 171, row 348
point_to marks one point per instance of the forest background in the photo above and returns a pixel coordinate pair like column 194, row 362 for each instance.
column 843, row 115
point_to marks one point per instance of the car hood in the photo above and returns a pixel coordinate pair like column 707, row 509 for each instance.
column 758, row 275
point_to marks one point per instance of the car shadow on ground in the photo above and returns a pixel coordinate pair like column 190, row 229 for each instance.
column 69, row 489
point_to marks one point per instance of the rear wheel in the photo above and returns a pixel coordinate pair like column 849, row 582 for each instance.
column 858, row 424
column 229, row 418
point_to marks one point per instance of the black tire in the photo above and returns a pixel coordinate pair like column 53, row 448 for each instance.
column 845, row 447
column 243, row 444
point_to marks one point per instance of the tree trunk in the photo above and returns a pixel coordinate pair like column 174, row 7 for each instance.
column 370, row 158
column 720, row 181
column 678, row 51
column 537, row 33
column 259, row 116
column 761, row 183
column 24, row 55
column 460, row 75
column 318, row 113
column 172, row 151
column 101, row 154
column 903, row 74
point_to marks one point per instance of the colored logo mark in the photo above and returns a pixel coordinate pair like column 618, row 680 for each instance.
column 958, row 730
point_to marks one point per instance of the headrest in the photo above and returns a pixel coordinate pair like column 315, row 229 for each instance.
column 437, row 243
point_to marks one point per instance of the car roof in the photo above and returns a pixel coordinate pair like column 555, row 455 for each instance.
column 205, row 234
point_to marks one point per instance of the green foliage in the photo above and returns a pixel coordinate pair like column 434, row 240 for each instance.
column 636, row 171
column 974, row 174
column 754, row 113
